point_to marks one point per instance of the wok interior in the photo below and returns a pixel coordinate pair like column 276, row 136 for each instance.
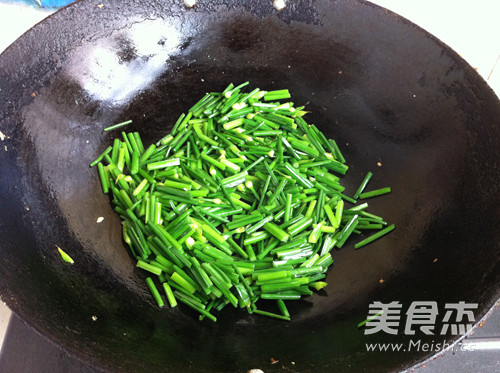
column 384, row 90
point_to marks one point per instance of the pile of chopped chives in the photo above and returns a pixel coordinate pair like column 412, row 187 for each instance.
column 241, row 201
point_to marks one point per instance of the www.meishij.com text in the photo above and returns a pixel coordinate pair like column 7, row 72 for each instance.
column 418, row 346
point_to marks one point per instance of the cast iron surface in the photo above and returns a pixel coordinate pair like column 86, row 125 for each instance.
column 384, row 89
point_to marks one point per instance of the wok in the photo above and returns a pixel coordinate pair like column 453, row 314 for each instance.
column 386, row 90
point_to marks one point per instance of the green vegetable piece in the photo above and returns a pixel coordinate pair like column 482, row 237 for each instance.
column 376, row 192
column 103, row 154
column 162, row 164
column 148, row 267
column 118, row 125
column 154, row 291
column 277, row 95
column 299, row 226
column 374, row 236
column 271, row 314
column 347, row 230
column 363, row 184
column 182, row 282
column 65, row 256
column 103, row 175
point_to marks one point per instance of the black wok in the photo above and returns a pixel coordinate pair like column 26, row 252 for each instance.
column 386, row 90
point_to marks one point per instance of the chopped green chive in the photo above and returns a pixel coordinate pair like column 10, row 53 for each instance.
column 362, row 323
column 118, row 125
column 154, row 291
column 103, row 175
column 104, row 154
column 347, row 230
column 374, row 236
column 277, row 95
column 148, row 267
column 243, row 200
column 374, row 193
column 363, row 185
column 277, row 232
column 65, row 256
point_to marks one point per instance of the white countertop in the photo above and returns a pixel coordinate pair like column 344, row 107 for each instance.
column 472, row 29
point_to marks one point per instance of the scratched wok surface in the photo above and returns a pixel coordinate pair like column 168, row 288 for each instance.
column 386, row 90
